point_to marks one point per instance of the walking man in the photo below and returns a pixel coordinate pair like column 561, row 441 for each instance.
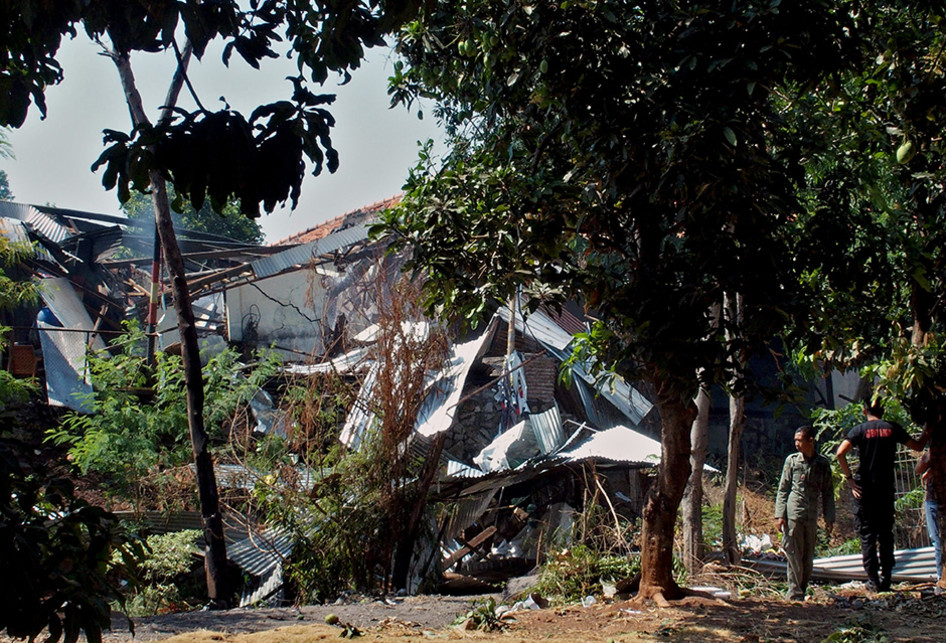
column 873, row 488
column 806, row 480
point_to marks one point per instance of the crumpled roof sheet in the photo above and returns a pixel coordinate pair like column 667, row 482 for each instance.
column 304, row 254
column 617, row 444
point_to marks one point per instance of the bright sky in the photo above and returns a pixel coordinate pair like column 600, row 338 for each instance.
column 376, row 145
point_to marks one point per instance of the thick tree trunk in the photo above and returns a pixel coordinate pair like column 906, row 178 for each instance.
column 693, row 494
column 663, row 499
column 215, row 550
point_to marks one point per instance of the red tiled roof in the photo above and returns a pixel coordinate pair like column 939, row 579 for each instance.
column 361, row 215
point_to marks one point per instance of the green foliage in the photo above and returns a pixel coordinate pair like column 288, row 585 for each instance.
column 712, row 526
column 228, row 222
column 165, row 573
column 857, row 632
column 568, row 575
column 846, row 548
column 58, row 560
column 137, row 430
column 6, row 194
column 483, row 616
column 16, row 289
column 216, row 156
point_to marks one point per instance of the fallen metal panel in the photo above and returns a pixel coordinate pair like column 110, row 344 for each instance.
column 360, row 416
column 539, row 327
column 301, row 255
column 48, row 227
column 466, row 511
column 912, row 565
column 548, row 429
column 349, row 362
column 67, row 379
column 439, row 409
column 260, row 553
column 618, row 392
column 617, row 444
column 456, row 469
column 615, row 389
column 19, row 211
column 62, row 299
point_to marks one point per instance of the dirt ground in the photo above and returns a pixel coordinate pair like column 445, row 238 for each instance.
column 911, row 613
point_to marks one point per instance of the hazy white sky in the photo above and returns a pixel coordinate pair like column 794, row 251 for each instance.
column 376, row 144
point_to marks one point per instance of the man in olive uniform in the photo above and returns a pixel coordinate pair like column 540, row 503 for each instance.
column 806, row 478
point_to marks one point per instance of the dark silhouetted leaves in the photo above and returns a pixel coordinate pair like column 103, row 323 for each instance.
column 222, row 157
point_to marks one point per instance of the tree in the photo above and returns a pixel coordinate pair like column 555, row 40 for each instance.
column 879, row 178
column 5, row 153
column 217, row 156
column 631, row 156
column 229, row 223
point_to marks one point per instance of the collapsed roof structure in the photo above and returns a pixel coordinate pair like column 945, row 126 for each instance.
column 516, row 437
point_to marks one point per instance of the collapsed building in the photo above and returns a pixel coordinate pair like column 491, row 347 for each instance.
column 523, row 453
column 516, row 436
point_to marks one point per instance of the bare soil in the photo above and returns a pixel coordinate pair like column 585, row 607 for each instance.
column 911, row 613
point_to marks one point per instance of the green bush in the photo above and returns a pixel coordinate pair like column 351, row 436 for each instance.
column 138, row 430
column 56, row 556
column 165, row 570
column 571, row 574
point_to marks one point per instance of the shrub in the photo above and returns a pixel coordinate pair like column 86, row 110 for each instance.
column 166, row 573
column 56, row 556
column 138, row 428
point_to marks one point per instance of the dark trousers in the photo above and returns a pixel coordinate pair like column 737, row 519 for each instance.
column 873, row 518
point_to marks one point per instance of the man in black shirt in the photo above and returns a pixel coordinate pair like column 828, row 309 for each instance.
column 873, row 488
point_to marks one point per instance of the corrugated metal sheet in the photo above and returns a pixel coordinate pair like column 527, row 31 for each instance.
column 48, row 227
column 14, row 230
column 260, row 553
column 19, row 211
column 360, row 416
column 62, row 299
column 269, row 590
column 539, row 327
column 67, row 379
column 914, row 565
column 17, row 232
column 350, row 361
column 618, row 444
column 439, row 408
column 616, row 390
column 457, row 469
column 301, row 255
column 548, row 429
column 467, row 511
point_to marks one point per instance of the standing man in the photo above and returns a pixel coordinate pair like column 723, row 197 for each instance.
column 806, row 479
column 873, row 488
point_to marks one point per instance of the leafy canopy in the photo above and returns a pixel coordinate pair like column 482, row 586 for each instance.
column 221, row 156
column 628, row 155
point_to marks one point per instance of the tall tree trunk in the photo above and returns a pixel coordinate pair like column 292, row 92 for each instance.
column 677, row 413
column 732, row 309
column 693, row 494
column 737, row 421
column 215, row 550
